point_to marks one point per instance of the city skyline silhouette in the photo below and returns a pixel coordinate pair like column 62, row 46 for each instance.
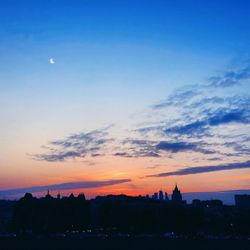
column 124, row 123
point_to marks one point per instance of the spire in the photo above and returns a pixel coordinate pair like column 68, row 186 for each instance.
column 176, row 196
column 48, row 196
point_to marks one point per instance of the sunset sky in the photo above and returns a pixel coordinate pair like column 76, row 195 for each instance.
column 124, row 96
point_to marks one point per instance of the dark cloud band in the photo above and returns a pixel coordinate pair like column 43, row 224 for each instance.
column 63, row 186
column 204, row 169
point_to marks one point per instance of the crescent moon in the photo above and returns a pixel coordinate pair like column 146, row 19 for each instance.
column 52, row 61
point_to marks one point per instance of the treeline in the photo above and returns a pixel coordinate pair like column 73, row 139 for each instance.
column 126, row 214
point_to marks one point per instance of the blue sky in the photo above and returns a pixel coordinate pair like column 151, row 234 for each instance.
column 178, row 70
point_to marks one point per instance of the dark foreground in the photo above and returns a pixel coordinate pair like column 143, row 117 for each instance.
column 122, row 244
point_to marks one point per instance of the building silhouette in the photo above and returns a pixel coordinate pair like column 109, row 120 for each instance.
column 166, row 196
column 176, row 195
column 133, row 214
column 155, row 196
column 161, row 197
column 48, row 196
column 242, row 201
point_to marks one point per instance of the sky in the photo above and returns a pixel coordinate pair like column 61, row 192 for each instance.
column 124, row 96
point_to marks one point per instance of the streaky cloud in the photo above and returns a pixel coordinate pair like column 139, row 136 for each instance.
column 76, row 146
column 230, row 78
column 205, row 169
column 219, row 117
column 64, row 186
column 151, row 148
column 177, row 98
column 186, row 94
column 197, row 118
column 175, row 147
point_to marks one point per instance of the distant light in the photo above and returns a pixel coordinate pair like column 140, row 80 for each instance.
column 52, row 61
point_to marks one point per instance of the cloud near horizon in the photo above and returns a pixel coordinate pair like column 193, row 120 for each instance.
column 204, row 169
column 63, row 186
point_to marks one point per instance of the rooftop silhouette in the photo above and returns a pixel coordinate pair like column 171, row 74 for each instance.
column 127, row 214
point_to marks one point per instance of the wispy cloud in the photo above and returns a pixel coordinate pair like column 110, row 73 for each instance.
column 230, row 78
column 219, row 117
column 204, row 112
column 63, row 186
column 77, row 145
column 187, row 93
column 209, row 118
column 150, row 148
column 179, row 97
column 175, row 147
column 204, row 169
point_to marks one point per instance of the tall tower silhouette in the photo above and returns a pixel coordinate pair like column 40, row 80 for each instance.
column 48, row 196
column 176, row 195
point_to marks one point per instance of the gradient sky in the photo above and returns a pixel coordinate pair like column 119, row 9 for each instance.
column 142, row 95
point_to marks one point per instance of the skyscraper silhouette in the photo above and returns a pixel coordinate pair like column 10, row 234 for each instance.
column 176, row 195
